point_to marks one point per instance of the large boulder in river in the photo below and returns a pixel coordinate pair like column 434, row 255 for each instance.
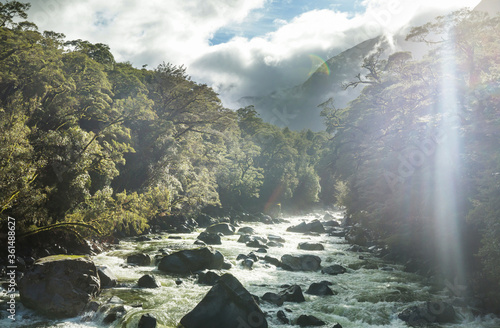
column 224, row 228
column 148, row 281
column 246, row 231
column 293, row 294
column 428, row 313
column 227, row 304
column 334, row 270
column 319, row 289
column 107, row 278
column 309, row 320
column 60, row 286
column 313, row 226
column 307, row 246
column 210, row 238
column 301, row 262
column 141, row 259
column 191, row 260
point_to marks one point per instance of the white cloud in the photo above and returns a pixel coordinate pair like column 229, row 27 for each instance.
column 153, row 31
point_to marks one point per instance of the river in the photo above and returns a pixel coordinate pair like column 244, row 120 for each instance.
column 366, row 297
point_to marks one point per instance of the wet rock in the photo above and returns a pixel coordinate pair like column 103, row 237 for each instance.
column 256, row 244
column 191, row 260
column 205, row 220
column 140, row 259
column 147, row 321
column 428, row 313
column 261, row 250
column 357, row 236
column 246, row 231
column 227, row 304
column 331, row 223
column 336, row 233
column 208, row 278
column 250, row 255
column 301, row 262
column 334, row 270
column 337, row 325
column 245, row 238
column 114, row 313
column 60, row 286
column 282, row 317
column 356, row 249
column 210, row 238
column 142, row 238
column 274, row 261
column 178, row 281
column 276, row 239
column 274, row 244
column 273, row 298
column 247, row 263
column 225, row 228
column 108, row 279
column 309, row 320
column 293, row 294
column 199, row 242
column 266, row 219
column 319, row 289
column 226, row 265
column 313, row 226
column 148, row 281
column 311, row 246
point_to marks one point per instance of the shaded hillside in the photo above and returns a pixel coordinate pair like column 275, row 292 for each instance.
column 297, row 107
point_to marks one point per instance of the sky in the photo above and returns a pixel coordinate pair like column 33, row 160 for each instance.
column 239, row 47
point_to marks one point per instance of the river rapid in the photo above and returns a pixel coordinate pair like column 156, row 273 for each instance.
column 366, row 297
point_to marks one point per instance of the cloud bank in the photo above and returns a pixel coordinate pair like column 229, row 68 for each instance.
column 181, row 32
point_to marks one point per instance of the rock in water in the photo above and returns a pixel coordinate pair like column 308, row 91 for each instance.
column 148, row 281
column 273, row 298
column 309, row 320
column 334, row 270
column 139, row 259
column 311, row 246
column 227, row 304
column 302, row 262
column 313, row 226
column 428, row 313
column 60, row 286
column 225, row 228
column 282, row 317
column 210, row 238
column 108, row 279
column 147, row 321
column 293, row 294
column 246, row 231
column 319, row 289
column 191, row 260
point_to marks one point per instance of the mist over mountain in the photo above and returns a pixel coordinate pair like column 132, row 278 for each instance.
column 299, row 107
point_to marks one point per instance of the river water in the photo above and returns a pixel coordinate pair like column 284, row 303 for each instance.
column 366, row 297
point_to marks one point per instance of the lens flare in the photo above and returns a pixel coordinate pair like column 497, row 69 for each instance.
column 448, row 169
column 318, row 65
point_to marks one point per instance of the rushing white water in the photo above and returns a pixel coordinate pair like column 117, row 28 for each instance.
column 366, row 297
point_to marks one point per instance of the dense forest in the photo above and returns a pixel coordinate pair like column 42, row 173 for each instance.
column 102, row 147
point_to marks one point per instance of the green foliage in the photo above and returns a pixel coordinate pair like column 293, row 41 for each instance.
column 89, row 141
column 124, row 213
